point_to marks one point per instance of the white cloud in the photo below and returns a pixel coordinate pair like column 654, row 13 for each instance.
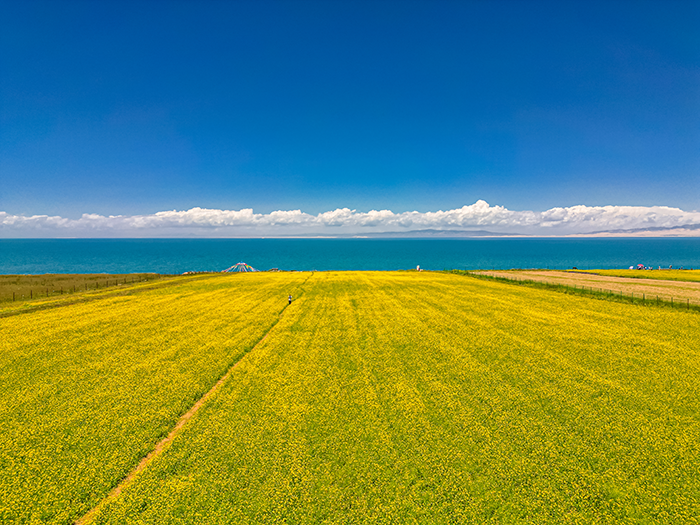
column 344, row 221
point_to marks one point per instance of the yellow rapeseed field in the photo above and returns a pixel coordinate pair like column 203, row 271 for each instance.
column 436, row 398
column 87, row 389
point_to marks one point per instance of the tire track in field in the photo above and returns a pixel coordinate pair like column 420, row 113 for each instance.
column 181, row 422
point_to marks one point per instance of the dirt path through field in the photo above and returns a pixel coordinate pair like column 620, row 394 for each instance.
column 163, row 444
column 680, row 291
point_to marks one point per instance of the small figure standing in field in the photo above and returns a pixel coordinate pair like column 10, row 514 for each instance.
column 290, row 299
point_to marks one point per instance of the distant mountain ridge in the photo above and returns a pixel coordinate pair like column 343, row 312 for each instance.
column 439, row 234
column 467, row 234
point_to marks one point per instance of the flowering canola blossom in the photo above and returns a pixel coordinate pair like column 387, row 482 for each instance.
column 87, row 389
column 435, row 398
column 388, row 397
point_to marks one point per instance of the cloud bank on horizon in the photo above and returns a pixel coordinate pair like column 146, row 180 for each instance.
column 480, row 216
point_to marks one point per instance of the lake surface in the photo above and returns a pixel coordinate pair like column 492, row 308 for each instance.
column 33, row 256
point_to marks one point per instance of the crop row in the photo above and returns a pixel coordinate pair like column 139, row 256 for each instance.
column 434, row 398
column 87, row 389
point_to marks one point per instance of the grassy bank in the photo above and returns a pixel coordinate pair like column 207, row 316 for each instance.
column 28, row 287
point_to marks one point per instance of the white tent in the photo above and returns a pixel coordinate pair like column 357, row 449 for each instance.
column 240, row 267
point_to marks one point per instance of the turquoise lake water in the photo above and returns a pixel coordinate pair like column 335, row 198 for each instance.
column 180, row 255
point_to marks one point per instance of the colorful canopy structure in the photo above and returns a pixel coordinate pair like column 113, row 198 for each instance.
column 240, row 267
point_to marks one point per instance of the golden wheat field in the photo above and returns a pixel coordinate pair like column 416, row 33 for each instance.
column 375, row 397
column 680, row 286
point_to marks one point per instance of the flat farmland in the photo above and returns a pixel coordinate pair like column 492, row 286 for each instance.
column 653, row 284
column 375, row 397
column 30, row 287
column 88, row 388
column 664, row 275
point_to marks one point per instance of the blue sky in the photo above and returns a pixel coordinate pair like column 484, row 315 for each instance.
column 131, row 108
